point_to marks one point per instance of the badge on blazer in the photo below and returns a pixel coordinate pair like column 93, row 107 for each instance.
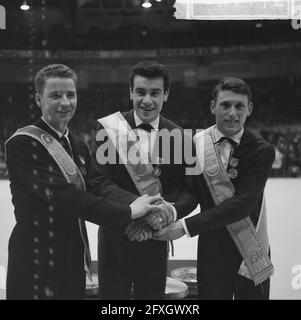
column 83, row 171
column 232, row 173
column 156, row 171
column 82, row 160
column 233, row 162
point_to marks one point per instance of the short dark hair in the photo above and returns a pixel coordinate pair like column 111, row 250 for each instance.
column 236, row 85
column 53, row 71
column 151, row 70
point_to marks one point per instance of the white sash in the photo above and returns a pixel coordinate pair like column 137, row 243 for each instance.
column 125, row 141
column 252, row 244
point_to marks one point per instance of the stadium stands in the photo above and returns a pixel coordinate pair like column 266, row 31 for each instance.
column 276, row 116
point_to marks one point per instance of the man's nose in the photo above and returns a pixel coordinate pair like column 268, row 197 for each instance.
column 232, row 111
column 64, row 100
column 147, row 99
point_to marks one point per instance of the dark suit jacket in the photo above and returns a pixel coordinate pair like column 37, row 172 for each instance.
column 120, row 259
column 114, row 182
column 45, row 248
column 216, row 247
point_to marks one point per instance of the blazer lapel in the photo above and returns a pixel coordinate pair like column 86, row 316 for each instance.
column 129, row 117
column 243, row 148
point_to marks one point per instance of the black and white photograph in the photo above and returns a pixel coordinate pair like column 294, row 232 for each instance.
column 150, row 150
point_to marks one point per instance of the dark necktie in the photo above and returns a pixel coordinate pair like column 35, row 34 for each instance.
column 145, row 126
column 232, row 142
column 65, row 143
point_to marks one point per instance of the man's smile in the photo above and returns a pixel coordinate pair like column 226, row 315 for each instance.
column 147, row 108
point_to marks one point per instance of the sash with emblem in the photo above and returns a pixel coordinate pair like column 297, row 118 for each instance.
column 251, row 242
column 137, row 163
column 69, row 170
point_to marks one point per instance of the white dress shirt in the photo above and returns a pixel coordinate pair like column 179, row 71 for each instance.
column 147, row 141
column 225, row 147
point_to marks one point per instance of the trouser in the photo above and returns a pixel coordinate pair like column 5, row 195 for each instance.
column 238, row 288
column 132, row 269
column 217, row 271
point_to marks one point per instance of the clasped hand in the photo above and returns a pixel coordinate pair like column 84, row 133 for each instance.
column 157, row 218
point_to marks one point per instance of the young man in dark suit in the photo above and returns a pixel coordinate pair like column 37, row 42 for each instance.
column 233, row 258
column 124, row 263
column 48, row 249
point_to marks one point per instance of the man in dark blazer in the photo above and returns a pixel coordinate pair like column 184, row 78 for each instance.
column 123, row 263
column 248, row 160
column 46, row 248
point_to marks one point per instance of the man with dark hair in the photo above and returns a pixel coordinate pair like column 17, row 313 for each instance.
column 233, row 246
column 235, row 85
column 53, row 71
column 123, row 262
column 48, row 250
column 148, row 69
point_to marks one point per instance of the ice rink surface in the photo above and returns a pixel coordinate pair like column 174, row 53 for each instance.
column 283, row 197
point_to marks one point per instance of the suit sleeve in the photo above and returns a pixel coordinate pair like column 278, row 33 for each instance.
column 100, row 179
column 29, row 163
column 248, row 193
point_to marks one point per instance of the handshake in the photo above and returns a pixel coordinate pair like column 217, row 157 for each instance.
column 151, row 214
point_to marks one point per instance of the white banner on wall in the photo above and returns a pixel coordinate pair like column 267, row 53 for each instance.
column 236, row 9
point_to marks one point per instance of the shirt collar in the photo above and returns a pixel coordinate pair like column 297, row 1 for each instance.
column 236, row 137
column 56, row 131
column 154, row 123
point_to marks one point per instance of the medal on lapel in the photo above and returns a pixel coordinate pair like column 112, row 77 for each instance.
column 156, row 171
column 82, row 160
column 233, row 173
column 83, row 171
column 158, row 164
column 82, row 168
column 233, row 162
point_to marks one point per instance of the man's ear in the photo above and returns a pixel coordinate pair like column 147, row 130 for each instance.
column 166, row 94
column 131, row 94
column 38, row 100
column 250, row 107
column 212, row 106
